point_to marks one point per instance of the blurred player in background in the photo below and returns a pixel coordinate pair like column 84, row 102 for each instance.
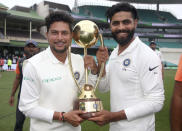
column 31, row 48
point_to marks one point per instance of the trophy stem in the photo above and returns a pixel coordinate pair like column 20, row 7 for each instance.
column 86, row 70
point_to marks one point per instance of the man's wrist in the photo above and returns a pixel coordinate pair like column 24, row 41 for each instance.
column 94, row 71
column 61, row 117
column 117, row 116
column 123, row 115
column 99, row 69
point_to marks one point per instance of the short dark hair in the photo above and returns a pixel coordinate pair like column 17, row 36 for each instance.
column 121, row 7
column 58, row 16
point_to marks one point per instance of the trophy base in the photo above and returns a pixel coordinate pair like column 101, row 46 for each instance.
column 89, row 106
column 86, row 115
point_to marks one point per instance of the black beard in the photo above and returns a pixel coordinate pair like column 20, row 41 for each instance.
column 153, row 48
column 28, row 54
column 123, row 41
column 60, row 51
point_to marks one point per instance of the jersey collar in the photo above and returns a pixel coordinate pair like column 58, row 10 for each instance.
column 130, row 48
column 53, row 59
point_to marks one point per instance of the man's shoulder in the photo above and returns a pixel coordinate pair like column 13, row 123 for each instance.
column 21, row 60
column 146, row 55
column 146, row 50
column 141, row 48
column 20, row 63
column 38, row 58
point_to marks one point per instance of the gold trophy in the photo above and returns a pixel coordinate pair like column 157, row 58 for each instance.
column 86, row 34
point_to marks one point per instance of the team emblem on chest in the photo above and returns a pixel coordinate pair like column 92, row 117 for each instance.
column 77, row 75
column 126, row 62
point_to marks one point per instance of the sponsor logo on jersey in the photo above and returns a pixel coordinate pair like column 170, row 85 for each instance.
column 28, row 79
column 152, row 68
column 51, row 79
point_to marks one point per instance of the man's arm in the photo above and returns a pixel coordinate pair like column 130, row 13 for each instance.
column 29, row 98
column 103, row 117
column 90, row 63
column 153, row 97
column 102, row 57
column 162, row 70
column 14, row 89
column 16, row 84
column 176, row 108
column 71, row 117
column 152, row 86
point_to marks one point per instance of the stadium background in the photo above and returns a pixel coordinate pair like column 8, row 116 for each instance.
column 19, row 24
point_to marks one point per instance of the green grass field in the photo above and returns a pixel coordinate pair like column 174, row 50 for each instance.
column 7, row 113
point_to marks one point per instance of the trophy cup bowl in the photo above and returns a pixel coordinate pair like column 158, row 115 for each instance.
column 86, row 34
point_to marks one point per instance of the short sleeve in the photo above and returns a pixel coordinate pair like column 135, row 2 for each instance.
column 17, row 68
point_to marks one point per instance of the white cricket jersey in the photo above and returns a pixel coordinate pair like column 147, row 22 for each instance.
column 47, row 87
column 136, row 86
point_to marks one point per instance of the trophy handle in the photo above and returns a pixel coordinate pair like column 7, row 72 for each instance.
column 102, row 65
column 71, row 68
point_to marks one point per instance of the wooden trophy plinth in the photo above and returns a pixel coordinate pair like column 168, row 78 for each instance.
column 88, row 102
column 89, row 106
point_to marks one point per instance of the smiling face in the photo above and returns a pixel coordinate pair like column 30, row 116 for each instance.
column 123, row 27
column 59, row 37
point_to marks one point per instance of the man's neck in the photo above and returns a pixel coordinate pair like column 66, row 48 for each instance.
column 60, row 56
column 122, row 48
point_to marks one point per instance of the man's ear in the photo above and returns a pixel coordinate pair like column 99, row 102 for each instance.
column 46, row 34
column 136, row 22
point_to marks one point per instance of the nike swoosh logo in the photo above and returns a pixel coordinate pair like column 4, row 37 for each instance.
column 150, row 69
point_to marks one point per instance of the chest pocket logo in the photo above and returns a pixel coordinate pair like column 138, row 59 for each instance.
column 126, row 62
column 77, row 75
